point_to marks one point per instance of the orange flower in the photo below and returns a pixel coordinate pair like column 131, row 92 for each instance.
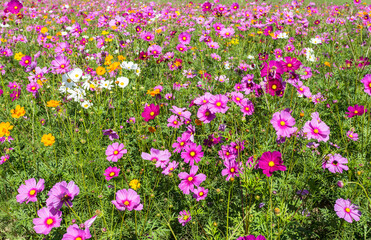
column 151, row 129
column 53, row 103
column 100, row 71
column 4, row 129
column 18, row 112
column 198, row 122
column 327, row 64
column 48, row 140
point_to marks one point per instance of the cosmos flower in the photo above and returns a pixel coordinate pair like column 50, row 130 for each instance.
column 184, row 38
column 150, row 112
column 192, row 153
column 283, row 123
column 270, row 162
column 232, row 169
column 356, row 110
column 184, row 217
column 127, row 200
column 335, row 163
column 346, row 210
column 115, row 151
column 28, row 193
column 48, row 219
column 111, row 172
column 318, row 130
column 60, row 64
column 367, row 83
column 190, row 180
column 352, row 135
column 74, row 232
column 62, row 194
column 200, row 193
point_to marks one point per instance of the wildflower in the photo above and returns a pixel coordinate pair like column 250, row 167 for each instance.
column 134, row 184
column 161, row 158
column 204, row 114
column 181, row 142
column 232, row 169
column 100, row 70
column 29, row 191
column 218, row 103
column 48, row 219
column 112, row 134
column 316, row 129
column 33, row 87
column 60, row 64
column 131, row 120
column 273, row 69
column 335, row 163
column 62, row 194
column 48, row 140
column 174, row 122
column 111, row 172
column 200, row 193
column 115, row 151
column 270, row 162
column 346, row 210
column 283, row 123
column 170, row 168
column 367, row 83
column 190, row 180
column 356, row 110
column 76, row 233
column 352, row 135
column 3, row 159
column 252, row 237
column 122, row 82
column 290, row 64
column 18, row 112
column 247, row 107
column 184, row 217
column 184, row 38
column 4, row 129
column 127, row 200
column 150, row 112
column 192, row 153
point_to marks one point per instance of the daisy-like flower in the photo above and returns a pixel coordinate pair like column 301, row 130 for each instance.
column 170, row 168
column 346, row 210
column 28, row 192
column 111, row 172
column 174, row 121
column 315, row 41
column 60, row 64
column 161, row 158
column 283, row 123
column 227, row 32
column 62, row 194
column 48, row 219
column 75, row 74
column 86, row 104
column 127, row 200
column 74, row 232
column 335, row 163
column 184, row 38
column 181, row 142
column 218, row 103
column 122, row 82
column 184, row 217
column 189, row 180
column 115, row 151
column 247, row 107
column 315, row 129
column 200, row 193
column 205, row 115
column 356, row 110
column 150, row 112
column 352, row 135
column 367, row 83
column 232, row 169
column 192, row 153
column 271, row 162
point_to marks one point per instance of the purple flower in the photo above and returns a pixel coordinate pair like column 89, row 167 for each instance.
column 150, row 112
column 356, row 110
column 247, row 107
column 184, row 38
column 62, row 193
column 232, row 169
column 29, row 191
column 189, row 180
column 184, row 217
column 316, row 129
column 218, row 103
column 111, row 172
column 352, row 135
column 346, row 210
column 112, row 134
column 181, row 142
column 127, row 200
column 204, row 114
column 131, row 120
column 335, row 163
column 273, row 69
column 25, row 61
column 200, row 193
column 14, row 6
column 48, row 219
column 115, row 151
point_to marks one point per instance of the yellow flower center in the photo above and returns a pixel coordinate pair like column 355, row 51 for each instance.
column 237, row 98
column 171, row 169
column 355, row 111
column 247, row 109
column 78, row 238
column 369, row 85
column 289, row 65
column 282, row 123
column 190, row 179
column 271, row 164
column 347, row 210
column 192, row 154
column 301, row 89
column 112, row 174
column 232, row 170
column 201, row 194
column 126, row 203
column 32, row 192
column 62, row 66
column 152, row 113
column 185, row 217
column 218, row 104
column 182, row 144
column 115, row 152
column 49, row 221
column 315, row 130
column 175, row 122
column 274, row 87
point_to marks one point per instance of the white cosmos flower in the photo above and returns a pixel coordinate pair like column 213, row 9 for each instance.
column 250, row 57
column 283, row 35
column 76, row 94
column 75, row 74
column 64, row 33
column 67, row 81
column 86, row 104
column 311, row 57
column 122, row 82
column 106, row 84
column 315, row 41
column 137, row 71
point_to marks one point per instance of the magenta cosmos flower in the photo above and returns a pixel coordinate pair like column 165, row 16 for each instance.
column 184, row 38
column 150, row 112
column 14, row 6
column 161, row 158
column 270, row 162
column 204, row 114
column 189, row 180
column 290, row 64
column 48, row 219
column 218, row 103
column 273, row 68
column 61, row 64
column 247, row 107
column 335, row 163
column 29, row 191
column 184, row 217
column 170, row 168
column 200, row 193
column 192, row 153
column 232, row 169
column 283, row 123
column 111, row 172
column 352, row 135
column 181, row 142
column 346, row 210
column 367, row 83
column 115, row 151
column 76, row 233
column 62, row 193
column 356, row 110
column 127, row 200
column 316, row 129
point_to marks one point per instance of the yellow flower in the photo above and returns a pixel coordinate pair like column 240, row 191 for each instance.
column 114, row 66
column 121, row 58
column 4, row 129
column 134, row 184
column 18, row 56
column 53, row 103
column 327, row 64
column 105, row 33
column 44, row 30
column 18, row 112
column 100, row 71
column 48, row 140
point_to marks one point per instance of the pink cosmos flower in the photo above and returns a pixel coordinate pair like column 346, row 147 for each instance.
column 335, row 163
column 304, row 90
column 227, row 32
column 14, row 6
column 33, row 87
column 115, row 151
column 218, row 103
column 161, row 158
column 61, row 64
column 111, row 172
column 74, row 232
column 247, row 107
column 170, row 168
column 290, row 64
column 273, row 69
column 307, row 73
column 190, row 180
column 181, row 142
column 200, row 193
column 270, row 162
column 315, row 129
column 192, row 153
column 181, row 112
column 184, row 217
column 25, row 61
column 127, row 200
column 346, row 210
column 62, row 193
column 150, row 112
column 184, row 38
column 367, row 83
column 154, row 50
column 48, row 219
column 232, row 169
column 356, row 110
column 204, row 114
column 352, row 135
column 29, row 191
column 174, row 121
column 283, row 123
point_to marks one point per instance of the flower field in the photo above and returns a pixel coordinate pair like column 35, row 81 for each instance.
column 209, row 120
